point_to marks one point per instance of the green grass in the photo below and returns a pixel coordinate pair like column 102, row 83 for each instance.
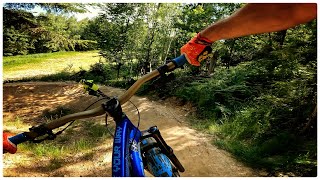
column 55, row 164
column 69, row 141
column 67, row 144
column 22, row 66
column 17, row 123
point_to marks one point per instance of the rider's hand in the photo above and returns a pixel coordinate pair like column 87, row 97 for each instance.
column 197, row 50
column 8, row 146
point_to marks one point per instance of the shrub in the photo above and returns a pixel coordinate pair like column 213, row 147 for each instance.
column 85, row 45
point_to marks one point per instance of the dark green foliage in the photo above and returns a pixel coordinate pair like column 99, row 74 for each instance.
column 259, row 107
column 15, row 42
column 161, row 86
column 98, row 72
column 25, row 33
column 85, row 45
column 16, row 34
column 219, row 96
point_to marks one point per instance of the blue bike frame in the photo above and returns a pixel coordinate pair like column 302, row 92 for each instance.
column 126, row 150
column 126, row 155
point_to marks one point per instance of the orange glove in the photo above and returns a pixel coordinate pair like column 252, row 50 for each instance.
column 197, row 50
column 8, row 146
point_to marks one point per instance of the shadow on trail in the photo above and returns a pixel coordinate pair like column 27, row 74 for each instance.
column 91, row 147
column 87, row 138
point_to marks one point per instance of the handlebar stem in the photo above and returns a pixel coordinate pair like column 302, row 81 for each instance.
column 113, row 108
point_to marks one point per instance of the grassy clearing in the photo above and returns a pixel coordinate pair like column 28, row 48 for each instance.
column 16, row 67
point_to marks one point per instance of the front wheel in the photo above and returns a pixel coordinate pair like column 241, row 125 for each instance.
column 156, row 162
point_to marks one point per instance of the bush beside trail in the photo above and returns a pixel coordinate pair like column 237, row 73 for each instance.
column 261, row 118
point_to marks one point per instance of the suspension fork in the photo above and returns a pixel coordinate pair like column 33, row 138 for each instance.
column 167, row 150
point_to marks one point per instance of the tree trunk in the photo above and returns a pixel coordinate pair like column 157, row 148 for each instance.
column 230, row 54
column 166, row 55
column 120, row 48
column 118, row 69
column 281, row 37
column 311, row 118
column 150, row 66
column 153, row 29
column 213, row 62
column 270, row 40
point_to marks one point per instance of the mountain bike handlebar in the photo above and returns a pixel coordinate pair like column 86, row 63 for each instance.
column 25, row 136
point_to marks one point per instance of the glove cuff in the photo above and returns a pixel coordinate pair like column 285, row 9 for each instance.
column 203, row 40
column 195, row 48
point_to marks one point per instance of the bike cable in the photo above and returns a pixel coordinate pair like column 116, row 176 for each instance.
column 110, row 133
column 103, row 98
column 59, row 132
column 137, row 125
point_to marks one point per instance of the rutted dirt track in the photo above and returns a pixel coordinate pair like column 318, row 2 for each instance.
column 28, row 100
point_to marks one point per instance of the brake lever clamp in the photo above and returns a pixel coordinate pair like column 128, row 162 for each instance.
column 113, row 108
column 163, row 70
column 42, row 130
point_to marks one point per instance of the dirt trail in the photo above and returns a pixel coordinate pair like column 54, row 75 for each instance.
column 199, row 157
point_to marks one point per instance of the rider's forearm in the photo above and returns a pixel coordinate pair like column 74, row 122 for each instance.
column 260, row 18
